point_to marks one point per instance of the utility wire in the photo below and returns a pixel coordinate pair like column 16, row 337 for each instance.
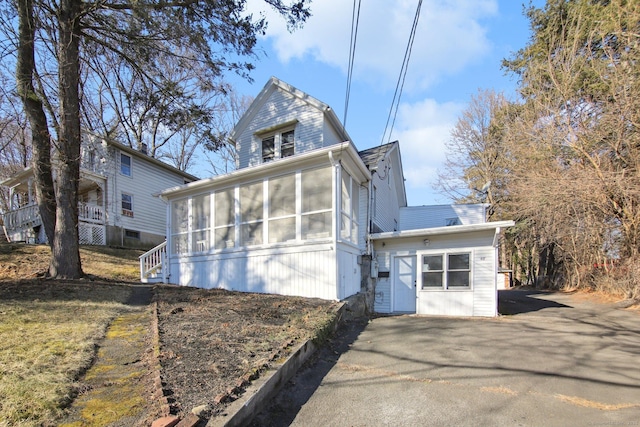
column 355, row 18
column 395, row 103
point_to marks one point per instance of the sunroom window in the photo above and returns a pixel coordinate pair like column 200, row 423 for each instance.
column 251, row 214
column 180, row 226
column 224, row 213
column 350, row 208
column 316, row 203
column 282, row 209
column 201, row 222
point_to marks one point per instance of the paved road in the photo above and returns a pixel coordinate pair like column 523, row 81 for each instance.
column 555, row 360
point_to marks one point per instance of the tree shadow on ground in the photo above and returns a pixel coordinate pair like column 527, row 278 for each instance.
column 519, row 301
column 297, row 391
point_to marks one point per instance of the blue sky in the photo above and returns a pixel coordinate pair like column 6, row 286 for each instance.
column 458, row 48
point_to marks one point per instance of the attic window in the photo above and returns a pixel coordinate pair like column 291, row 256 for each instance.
column 268, row 149
column 278, row 145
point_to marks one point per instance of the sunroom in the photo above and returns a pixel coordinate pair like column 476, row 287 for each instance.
column 294, row 226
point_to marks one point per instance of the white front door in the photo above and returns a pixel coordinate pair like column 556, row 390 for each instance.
column 404, row 284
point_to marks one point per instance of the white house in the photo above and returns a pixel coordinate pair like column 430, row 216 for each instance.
column 306, row 214
column 117, row 192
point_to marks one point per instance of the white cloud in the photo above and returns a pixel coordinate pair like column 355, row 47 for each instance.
column 422, row 129
column 449, row 36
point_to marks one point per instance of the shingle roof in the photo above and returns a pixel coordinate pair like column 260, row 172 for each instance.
column 372, row 156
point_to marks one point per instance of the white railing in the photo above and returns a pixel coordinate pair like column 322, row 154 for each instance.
column 30, row 216
column 18, row 218
column 90, row 213
column 153, row 265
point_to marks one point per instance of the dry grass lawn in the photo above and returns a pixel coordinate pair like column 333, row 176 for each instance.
column 49, row 330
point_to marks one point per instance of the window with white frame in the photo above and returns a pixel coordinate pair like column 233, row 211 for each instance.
column 200, row 223
column 287, row 208
column 125, row 164
column 180, row 226
column 446, row 271
column 316, row 203
column 278, row 145
column 350, row 208
column 224, row 214
column 282, row 209
column 251, row 214
column 126, row 202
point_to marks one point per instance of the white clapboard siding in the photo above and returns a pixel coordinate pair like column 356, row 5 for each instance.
column 417, row 217
column 480, row 300
column 349, row 273
column 386, row 213
column 147, row 179
column 308, row 271
column 281, row 108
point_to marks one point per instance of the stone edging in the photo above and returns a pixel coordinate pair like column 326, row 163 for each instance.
column 261, row 390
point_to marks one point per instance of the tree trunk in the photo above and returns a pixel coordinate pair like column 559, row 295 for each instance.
column 41, row 144
column 65, row 262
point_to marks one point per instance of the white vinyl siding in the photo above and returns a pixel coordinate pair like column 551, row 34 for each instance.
column 386, row 207
column 287, row 108
column 264, row 270
column 417, row 217
column 478, row 300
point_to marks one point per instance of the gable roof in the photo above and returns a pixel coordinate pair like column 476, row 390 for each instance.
column 372, row 156
column 276, row 84
column 390, row 153
column 28, row 171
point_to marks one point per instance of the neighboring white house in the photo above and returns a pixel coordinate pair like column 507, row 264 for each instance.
column 117, row 197
column 306, row 214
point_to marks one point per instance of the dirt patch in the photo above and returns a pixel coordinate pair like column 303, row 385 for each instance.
column 213, row 342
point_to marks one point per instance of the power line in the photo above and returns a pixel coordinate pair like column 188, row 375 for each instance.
column 355, row 18
column 395, row 103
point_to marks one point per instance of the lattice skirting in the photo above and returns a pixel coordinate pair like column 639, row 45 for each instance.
column 91, row 234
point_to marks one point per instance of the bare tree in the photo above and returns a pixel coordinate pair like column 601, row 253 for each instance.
column 55, row 39
column 575, row 143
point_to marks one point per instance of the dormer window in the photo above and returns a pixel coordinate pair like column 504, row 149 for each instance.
column 268, row 149
column 278, row 145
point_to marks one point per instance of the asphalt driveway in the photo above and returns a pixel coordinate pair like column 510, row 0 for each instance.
column 555, row 360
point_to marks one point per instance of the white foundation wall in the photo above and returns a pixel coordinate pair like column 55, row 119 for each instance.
column 301, row 271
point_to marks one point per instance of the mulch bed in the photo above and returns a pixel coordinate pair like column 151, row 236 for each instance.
column 214, row 342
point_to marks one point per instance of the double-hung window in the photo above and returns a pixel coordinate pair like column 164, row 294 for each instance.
column 278, row 145
column 126, row 202
column 125, row 164
column 446, row 271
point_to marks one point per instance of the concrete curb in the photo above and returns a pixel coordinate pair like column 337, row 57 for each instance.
column 256, row 396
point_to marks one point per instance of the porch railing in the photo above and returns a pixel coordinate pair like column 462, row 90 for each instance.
column 18, row 218
column 90, row 213
column 29, row 216
column 154, row 266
